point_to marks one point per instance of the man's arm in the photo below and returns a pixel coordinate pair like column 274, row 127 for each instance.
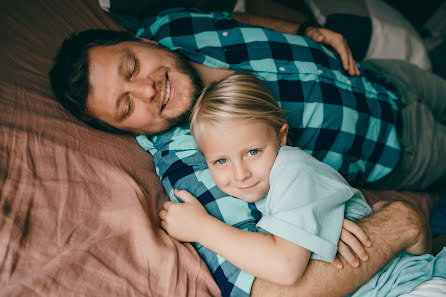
column 321, row 35
column 394, row 228
column 267, row 22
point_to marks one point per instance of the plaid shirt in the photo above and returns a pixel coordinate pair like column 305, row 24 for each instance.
column 346, row 122
column 181, row 166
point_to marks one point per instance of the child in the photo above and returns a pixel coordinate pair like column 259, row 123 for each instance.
column 242, row 133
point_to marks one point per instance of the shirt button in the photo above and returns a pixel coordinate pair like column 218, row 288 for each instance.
column 282, row 68
column 320, row 71
column 225, row 33
column 349, row 82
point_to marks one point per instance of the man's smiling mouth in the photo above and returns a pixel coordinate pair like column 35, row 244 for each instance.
column 166, row 98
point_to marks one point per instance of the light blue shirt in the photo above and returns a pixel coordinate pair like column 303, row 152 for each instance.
column 307, row 202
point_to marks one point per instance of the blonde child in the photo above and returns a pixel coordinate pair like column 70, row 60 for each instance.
column 242, row 133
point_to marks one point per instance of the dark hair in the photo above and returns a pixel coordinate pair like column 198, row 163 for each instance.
column 69, row 75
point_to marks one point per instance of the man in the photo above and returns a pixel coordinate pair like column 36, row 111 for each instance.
column 142, row 88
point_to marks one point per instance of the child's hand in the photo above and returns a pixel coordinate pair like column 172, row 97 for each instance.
column 183, row 220
column 353, row 239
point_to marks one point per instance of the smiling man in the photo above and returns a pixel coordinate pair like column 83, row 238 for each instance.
column 142, row 97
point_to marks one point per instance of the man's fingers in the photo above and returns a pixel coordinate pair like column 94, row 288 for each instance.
column 354, row 71
column 347, row 254
column 357, row 232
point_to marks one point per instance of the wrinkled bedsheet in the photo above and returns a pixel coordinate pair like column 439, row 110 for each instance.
column 78, row 207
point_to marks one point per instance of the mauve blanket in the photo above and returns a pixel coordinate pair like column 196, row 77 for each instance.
column 78, row 207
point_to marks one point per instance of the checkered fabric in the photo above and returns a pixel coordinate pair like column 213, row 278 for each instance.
column 344, row 121
column 181, row 166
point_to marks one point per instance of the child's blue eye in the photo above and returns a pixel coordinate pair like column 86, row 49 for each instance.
column 221, row 161
column 253, row 152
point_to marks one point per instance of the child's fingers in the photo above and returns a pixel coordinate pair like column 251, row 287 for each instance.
column 163, row 214
column 164, row 225
column 357, row 232
column 168, row 204
column 344, row 250
column 337, row 263
column 353, row 243
column 185, row 196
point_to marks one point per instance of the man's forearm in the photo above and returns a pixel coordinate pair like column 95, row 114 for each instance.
column 267, row 22
column 394, row 228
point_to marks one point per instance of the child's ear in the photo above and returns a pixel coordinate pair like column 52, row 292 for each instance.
column 283, row 133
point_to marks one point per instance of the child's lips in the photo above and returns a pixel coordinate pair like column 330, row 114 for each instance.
column 246, row 188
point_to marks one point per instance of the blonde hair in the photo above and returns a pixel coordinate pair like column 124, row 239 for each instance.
column 236, row 97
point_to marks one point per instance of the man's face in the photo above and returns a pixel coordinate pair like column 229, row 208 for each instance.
column 140, row 86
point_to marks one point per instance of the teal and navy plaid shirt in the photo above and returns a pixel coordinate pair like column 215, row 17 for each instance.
column 347, row 122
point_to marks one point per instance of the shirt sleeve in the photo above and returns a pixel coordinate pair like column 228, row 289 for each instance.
column 181, row 166
column 306, row 203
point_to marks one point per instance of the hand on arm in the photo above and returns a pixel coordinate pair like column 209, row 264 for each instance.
column 396, row 227
column 321, row 35
column 351, row 242
column 266, row 256
column 183, row 221
column 339, row 43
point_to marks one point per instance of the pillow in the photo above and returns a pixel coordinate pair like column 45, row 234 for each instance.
column 373, row 29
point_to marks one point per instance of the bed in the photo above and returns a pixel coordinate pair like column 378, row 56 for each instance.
column 79, row 207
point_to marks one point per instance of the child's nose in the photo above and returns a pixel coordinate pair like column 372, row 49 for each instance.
column 241, row 172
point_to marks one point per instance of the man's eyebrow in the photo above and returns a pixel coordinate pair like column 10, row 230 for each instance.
column 125, row 55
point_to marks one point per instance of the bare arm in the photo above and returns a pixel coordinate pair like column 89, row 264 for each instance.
column 266, row 256
column 267, row 22
column 394, row 228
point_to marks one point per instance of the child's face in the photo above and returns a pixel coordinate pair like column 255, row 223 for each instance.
column 240, row 156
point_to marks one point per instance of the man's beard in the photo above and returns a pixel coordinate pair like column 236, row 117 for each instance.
column 184, row 66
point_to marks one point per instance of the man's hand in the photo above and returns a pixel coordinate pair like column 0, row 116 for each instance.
column 183, row 220
column 321, row 35
column 339, row 43
column 351, row 242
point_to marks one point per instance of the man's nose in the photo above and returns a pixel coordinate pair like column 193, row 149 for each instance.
column 240, row 171
column 143, row 88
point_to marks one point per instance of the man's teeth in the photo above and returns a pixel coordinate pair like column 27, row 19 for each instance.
column 167, row 93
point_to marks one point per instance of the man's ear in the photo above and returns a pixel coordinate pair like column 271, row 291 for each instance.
column 283, row 133
column 148, row 40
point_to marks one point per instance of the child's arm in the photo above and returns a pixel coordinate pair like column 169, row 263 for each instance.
column 266, row 256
